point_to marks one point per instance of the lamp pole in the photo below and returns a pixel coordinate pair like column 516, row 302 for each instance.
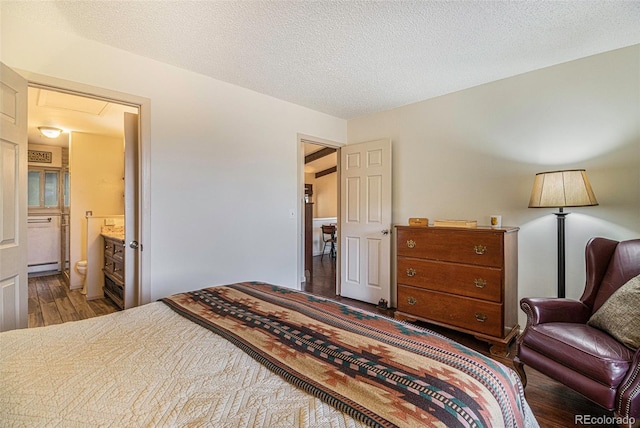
column 561, row 275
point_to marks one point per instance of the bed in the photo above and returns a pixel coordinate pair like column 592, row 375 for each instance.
column 251, row 354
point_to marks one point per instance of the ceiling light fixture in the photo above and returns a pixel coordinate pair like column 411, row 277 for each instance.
column 49, row 131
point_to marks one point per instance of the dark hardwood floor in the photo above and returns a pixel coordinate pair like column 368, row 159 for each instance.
column 553, row 404
column 51, row 302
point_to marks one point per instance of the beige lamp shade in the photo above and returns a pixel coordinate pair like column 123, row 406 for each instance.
column 557, row 189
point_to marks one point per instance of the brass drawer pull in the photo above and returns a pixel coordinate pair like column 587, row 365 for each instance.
column 411, row 243
column 480, row 317
column 480, row 283
column 411, row 272
column 480, row 249
column 411, row 300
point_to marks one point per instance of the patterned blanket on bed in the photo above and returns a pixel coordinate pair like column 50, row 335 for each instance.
column 377, row 370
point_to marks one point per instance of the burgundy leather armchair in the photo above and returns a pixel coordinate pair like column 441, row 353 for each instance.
column 558, row 342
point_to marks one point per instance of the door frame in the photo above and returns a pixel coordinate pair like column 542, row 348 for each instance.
column 303, row 138
column 36, row 80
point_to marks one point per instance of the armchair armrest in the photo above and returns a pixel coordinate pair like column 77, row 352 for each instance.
column 628, row 397
column 542, row 310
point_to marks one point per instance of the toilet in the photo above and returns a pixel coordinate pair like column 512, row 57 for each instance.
column 81, row 268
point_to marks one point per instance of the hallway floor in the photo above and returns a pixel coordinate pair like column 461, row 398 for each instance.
column 323, row 283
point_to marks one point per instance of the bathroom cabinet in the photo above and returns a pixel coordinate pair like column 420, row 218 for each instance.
column 114, row 269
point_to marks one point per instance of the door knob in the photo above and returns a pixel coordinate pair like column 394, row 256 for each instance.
column 133, row 244
column 385, row 232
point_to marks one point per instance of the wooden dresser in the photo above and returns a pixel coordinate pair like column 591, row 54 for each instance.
column 114, row 269
column 459, row 278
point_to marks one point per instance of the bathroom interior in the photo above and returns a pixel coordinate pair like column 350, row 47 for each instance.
column 76, row 186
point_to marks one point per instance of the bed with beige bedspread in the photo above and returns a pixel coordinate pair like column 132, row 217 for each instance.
column 250, row 354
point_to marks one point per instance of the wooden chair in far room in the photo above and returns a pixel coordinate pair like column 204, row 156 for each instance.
column 329, row 238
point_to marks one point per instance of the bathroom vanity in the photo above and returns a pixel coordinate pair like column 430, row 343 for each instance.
column 114, row 268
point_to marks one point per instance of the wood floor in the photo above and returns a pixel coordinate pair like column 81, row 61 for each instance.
column 51, row 302
column 553, row 404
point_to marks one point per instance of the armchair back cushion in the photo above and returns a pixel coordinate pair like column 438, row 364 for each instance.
column 620, row 314
column 624, row 265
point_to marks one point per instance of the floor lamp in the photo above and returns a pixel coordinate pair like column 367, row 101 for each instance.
column 561, row 189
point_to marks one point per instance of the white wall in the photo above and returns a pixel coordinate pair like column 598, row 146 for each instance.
column 96, row 167
column 474, row 153
column 223, row 161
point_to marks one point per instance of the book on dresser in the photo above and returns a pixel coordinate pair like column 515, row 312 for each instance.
column 455, row 223
column 463, row 279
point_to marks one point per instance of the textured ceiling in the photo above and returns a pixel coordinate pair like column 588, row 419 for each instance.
column 351, row 58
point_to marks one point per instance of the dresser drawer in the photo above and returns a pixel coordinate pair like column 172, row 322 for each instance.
column 118, row 251
column 114, row 291
column 108, row 248
column 113, row 249
column 473, row 247
column 471, row 314
column 108, row 265
column 465, row 280
column 114, row 268
column 118, row 271
column 114, row 288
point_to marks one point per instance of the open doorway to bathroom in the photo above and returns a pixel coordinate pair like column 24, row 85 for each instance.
column 76, row 185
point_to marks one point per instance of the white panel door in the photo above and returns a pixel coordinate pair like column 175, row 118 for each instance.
column 13, row 200
column 365, row 223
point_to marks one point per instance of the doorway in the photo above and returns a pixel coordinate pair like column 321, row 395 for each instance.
column 320, row 208
column 134, row 173
column 76, row 150
column 363, row 265
column 96, row 128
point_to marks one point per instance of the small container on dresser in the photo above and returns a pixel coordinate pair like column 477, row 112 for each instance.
column 114, row 269
column 465, row 279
